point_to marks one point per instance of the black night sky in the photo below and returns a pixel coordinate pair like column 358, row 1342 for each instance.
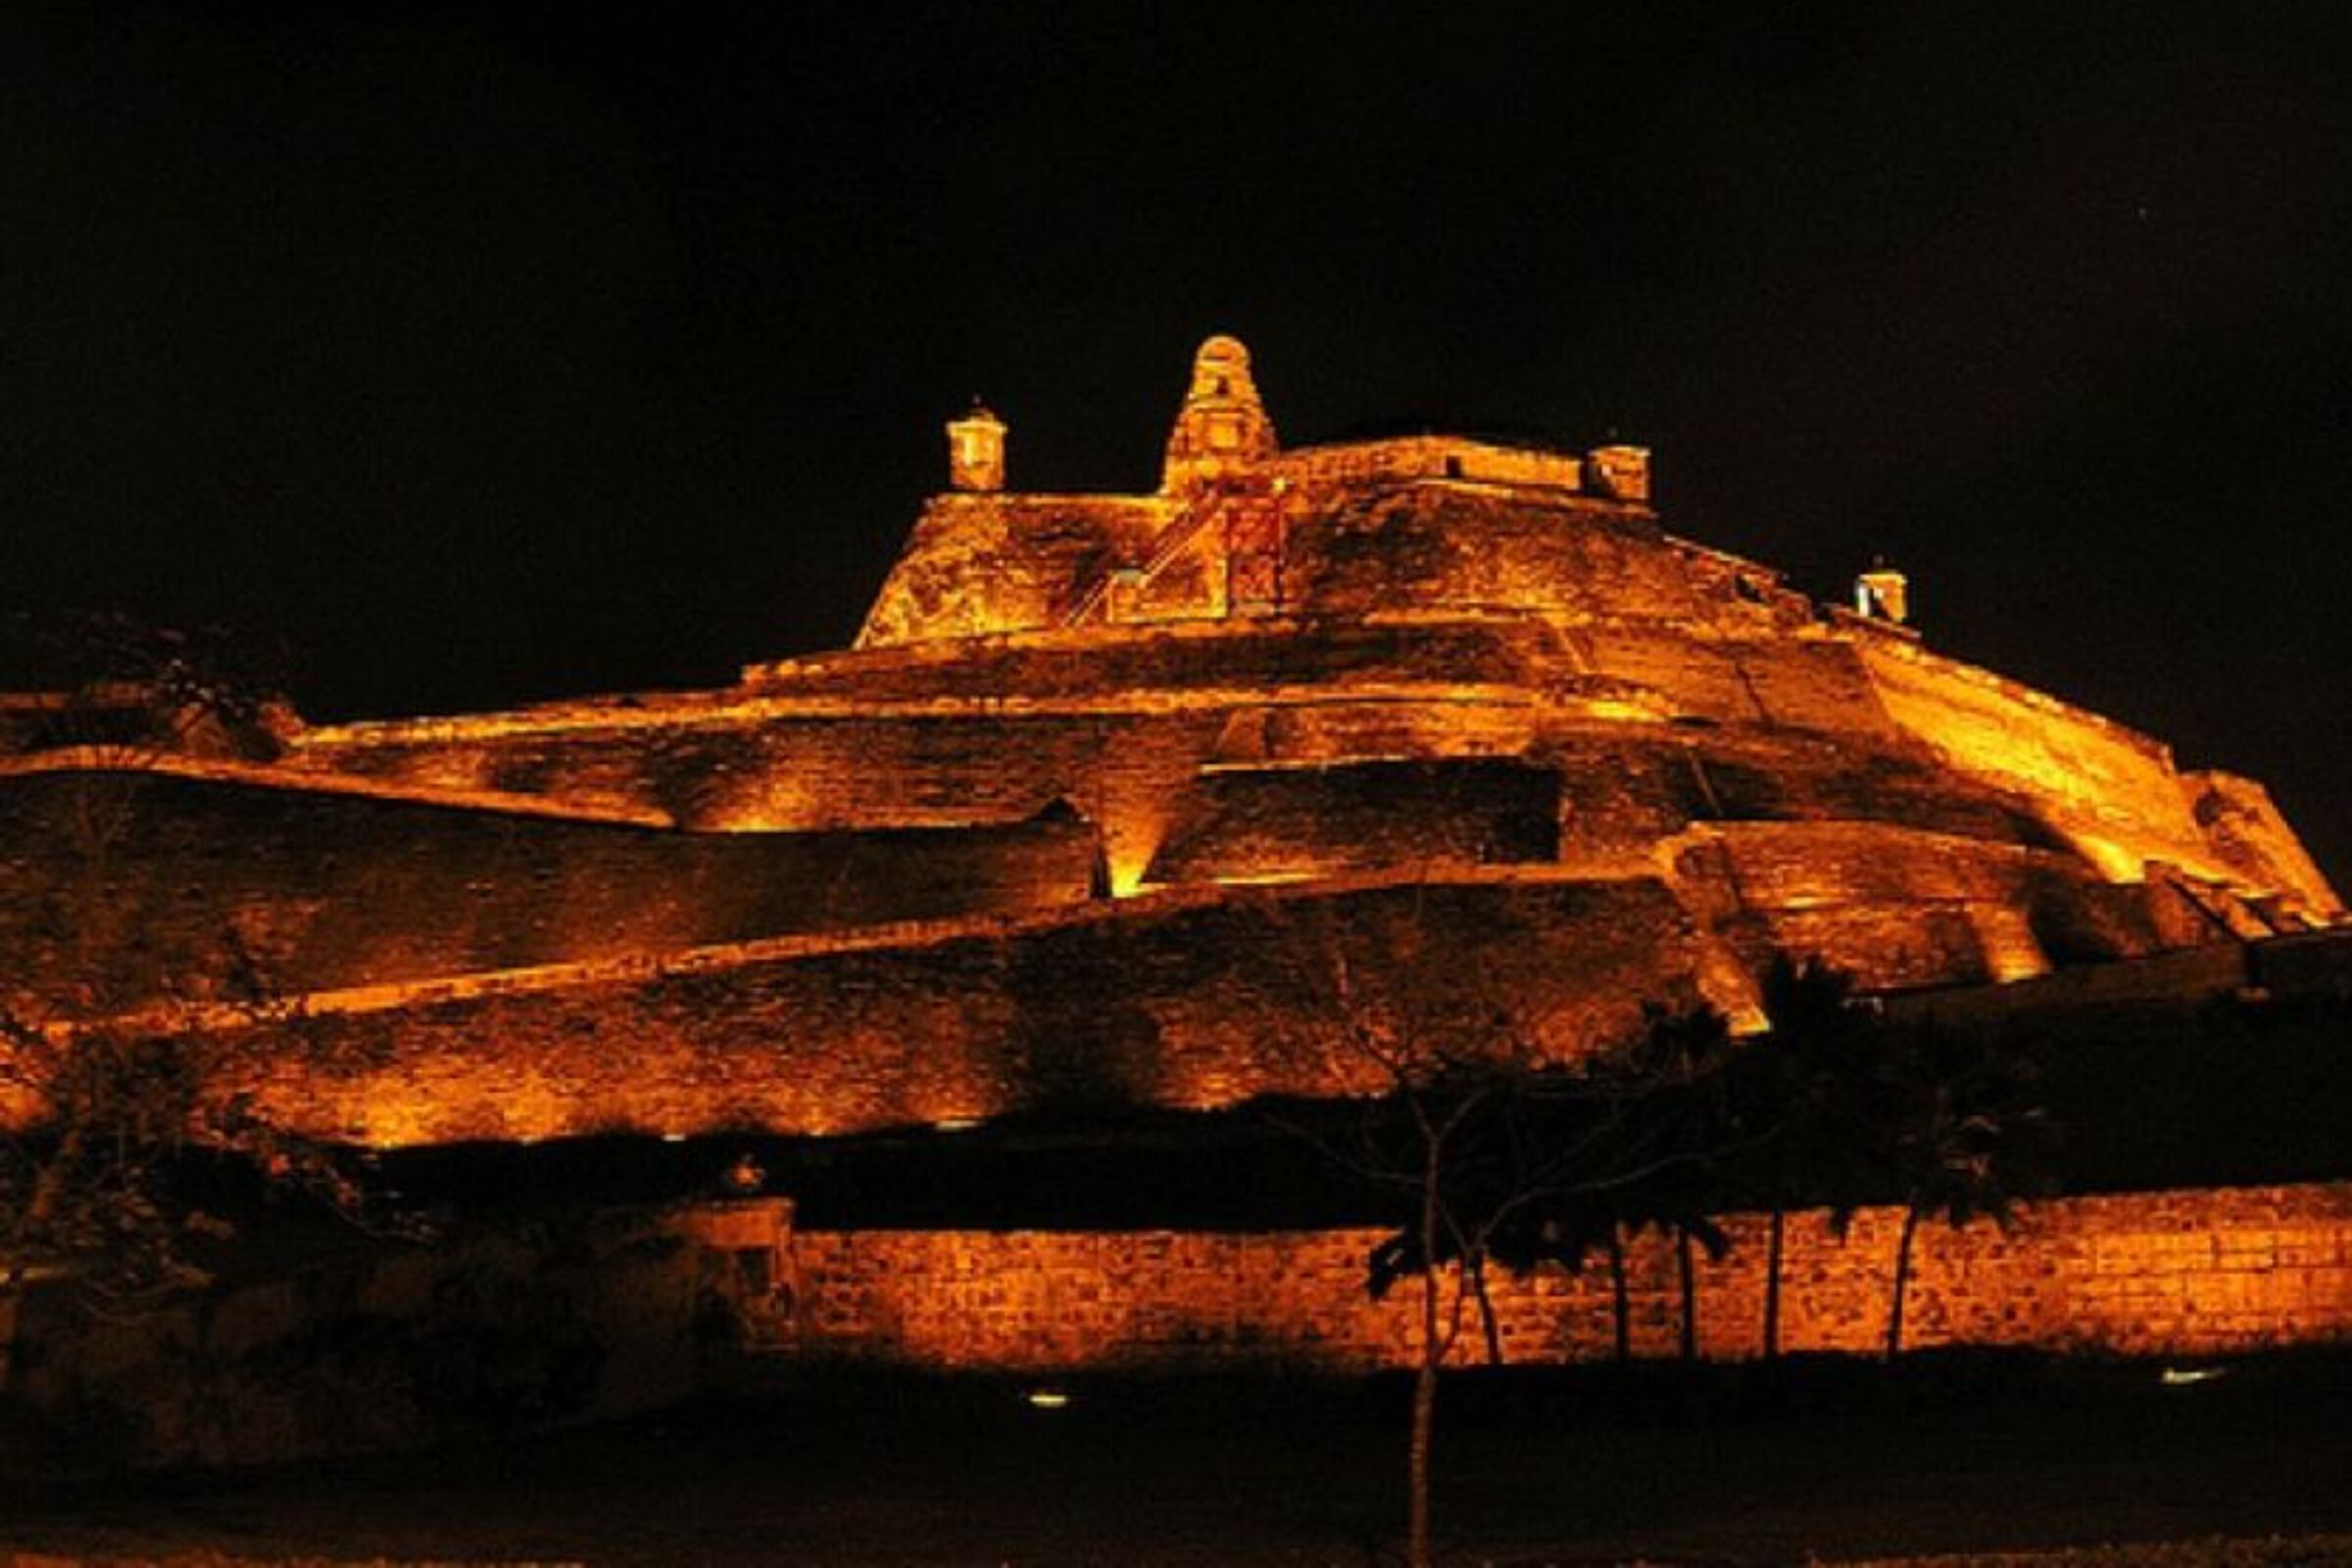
column 487, row 352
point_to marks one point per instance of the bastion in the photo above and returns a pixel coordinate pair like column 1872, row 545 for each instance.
column 1114, row 808
column 1103, row 781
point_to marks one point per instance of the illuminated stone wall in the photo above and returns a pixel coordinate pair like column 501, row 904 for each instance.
column 2157, row 1273
column 604, row 1314
column 952, row 868
column 321, row 892
column 1199, row 1001
column 2249, row 836
column 601, row 1313
column 993, row 563
column 1445, row 547
column 1799, row 728
column 1902, row 908
column 2112, row 791
column 1431, row 457
column 545, row 978
column 1256, row 824
column 1185, row 997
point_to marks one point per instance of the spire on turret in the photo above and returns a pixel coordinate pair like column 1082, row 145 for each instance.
column 1222, row 425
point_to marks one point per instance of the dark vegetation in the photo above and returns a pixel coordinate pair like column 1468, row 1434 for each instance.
column 105, row 1192
column 131, row 686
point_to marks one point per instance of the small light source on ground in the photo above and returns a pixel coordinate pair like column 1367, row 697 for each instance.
column 2181, row 1377
column 673, row 1138
column 1049, row 1398
column 955, row 1124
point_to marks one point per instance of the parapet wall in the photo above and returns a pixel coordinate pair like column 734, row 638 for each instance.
column 2248, row 833
column 2177, row 1273
column 1441, row 547
column 1429, row 457
column 2112, row 789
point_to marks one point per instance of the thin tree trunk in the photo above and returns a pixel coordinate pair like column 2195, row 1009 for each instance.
column 1425, row 1412
column 1902, row 1278
column 1425, row 1377
column 16, row 1281
column 1475, row 1270
column 1690, row 1280
column 1619, row 1299
column 1773, row 1241
column 12, row 1307
column 48, row 1192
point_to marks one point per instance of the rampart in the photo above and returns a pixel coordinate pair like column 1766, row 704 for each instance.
column 610, row 1312
column 1195, row 997
column 2181, row 1273
column 993, row 562
column 1793, row 727
column 1053, row 828
column 1188, row 1002
column 312, row 890
column 1432, row 457
column 1163, row 804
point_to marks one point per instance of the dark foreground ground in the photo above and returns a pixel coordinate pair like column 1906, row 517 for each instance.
column 1832, row 1461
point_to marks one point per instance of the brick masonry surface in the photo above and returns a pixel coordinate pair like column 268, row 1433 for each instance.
column 2187, row 1272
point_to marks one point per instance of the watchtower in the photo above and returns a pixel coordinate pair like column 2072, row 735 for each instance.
column 976, row 450
column 1223, row 427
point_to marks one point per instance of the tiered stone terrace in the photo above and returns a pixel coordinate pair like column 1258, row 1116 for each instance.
column 1100, row 784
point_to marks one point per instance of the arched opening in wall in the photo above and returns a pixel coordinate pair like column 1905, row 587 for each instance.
column 747, row 1292
column 1453, row 468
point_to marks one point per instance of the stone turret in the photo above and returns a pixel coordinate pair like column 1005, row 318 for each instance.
column 976, row 450
column 1883, row 594
column 1621, row 474
column 1223, row 427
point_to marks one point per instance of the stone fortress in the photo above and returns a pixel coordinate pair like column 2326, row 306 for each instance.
column 1092, row 757
column 1104, row 776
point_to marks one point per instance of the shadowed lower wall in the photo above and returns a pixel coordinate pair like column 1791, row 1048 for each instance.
column 600, row 1313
